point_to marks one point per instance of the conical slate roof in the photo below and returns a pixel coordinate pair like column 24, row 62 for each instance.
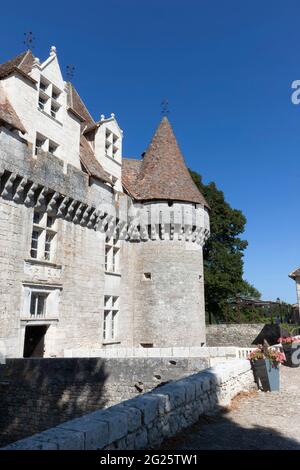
column 162, row 173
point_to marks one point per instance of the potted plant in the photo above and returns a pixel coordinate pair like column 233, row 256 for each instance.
column 291, row 349
column 265, row 363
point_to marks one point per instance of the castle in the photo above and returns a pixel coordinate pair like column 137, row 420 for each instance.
column 96, row 250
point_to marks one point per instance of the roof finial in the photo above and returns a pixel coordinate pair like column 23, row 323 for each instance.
column 165, row 107
column 53, row 50
column 102, row 117
column 112, row 115
column 29, row 40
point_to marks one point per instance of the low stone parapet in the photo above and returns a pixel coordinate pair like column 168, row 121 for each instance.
column 212, row 353
column 146, row 421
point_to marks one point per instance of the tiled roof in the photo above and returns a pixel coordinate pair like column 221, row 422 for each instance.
column 90, row 163
column 162, row 173
column 77, row 106
column 130, row 171
column 22, row 63
column 7, row 113
column 87, row 156
column 295, row 273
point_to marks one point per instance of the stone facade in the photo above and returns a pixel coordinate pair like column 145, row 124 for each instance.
column 84, row 263
column 145, row 422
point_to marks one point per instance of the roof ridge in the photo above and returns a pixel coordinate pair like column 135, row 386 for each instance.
column 23, row 58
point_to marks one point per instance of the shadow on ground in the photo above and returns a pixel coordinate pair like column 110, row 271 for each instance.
column 219, row 432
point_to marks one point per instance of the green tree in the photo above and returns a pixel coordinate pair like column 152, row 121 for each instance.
column 223, row 253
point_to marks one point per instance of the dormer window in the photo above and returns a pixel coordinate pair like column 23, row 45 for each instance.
column 111, row 144
column 49, row 98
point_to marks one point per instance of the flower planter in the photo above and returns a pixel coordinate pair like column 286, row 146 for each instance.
column 266, row 374
column 292, row 354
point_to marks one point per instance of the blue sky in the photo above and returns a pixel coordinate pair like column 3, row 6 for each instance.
column 226, row 69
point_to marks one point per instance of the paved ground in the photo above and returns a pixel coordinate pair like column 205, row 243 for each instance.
column 255, row 421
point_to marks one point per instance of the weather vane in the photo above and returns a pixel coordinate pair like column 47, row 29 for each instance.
column 29, row 40
column 70, row 72
column 165, row 107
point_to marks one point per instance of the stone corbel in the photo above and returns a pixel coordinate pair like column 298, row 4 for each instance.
column 86, row 215
column 71, row 209
column 7, row 191
column 41, row 199
column 79, row 212
column 62, row 208
column 19, row 192
column 29, row 199
column 52, row 204
column 92, row 218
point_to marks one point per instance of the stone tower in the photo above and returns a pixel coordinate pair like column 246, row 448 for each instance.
column 164, row 278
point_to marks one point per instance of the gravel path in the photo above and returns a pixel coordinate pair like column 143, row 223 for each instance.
column 256, row 421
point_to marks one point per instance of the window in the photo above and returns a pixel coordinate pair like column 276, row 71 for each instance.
column 105, row 323
column 48, row 243
column 49, row 97
column 110, row 317
column 115, row 259
column 42, row 143
column 111, row 144
column 39, row 143
column 38, row 304
column 112, row 251
column 34, row 243
column 43, row 236
column 107, row 250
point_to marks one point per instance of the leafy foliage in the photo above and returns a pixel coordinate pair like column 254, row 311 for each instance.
column 223, row 253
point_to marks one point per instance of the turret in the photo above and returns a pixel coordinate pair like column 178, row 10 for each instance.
column 165, row 261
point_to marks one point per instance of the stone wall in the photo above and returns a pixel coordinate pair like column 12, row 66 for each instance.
column 172, row 298
column 76, row 272
column 36, row 394
column 242, row 335
column 144, row 422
